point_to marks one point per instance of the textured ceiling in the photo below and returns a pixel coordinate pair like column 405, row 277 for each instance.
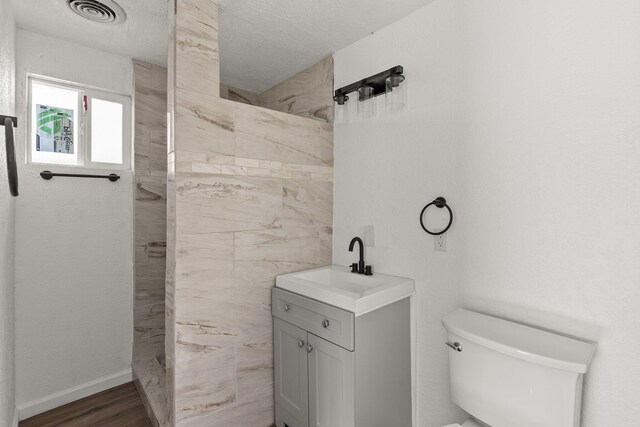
column 143, row 35
column 262, row 42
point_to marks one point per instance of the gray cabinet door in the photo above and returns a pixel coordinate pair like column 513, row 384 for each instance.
column 290, row 366
column 331, row 385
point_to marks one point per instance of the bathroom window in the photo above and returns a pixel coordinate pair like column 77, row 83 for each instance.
column 78, row 126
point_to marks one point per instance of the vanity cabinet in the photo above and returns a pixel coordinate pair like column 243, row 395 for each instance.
column 324, row 354
column 313, row 379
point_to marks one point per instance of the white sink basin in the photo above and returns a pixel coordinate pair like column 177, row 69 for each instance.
column 339, row 287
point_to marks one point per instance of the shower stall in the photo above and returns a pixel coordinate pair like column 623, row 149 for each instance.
column 235, row 189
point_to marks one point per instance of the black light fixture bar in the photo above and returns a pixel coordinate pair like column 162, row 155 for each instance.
column 377, row 82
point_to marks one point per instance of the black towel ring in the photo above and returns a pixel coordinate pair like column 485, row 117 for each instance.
column 439, row 202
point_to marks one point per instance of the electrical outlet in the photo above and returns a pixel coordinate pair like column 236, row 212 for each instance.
column 440, row 243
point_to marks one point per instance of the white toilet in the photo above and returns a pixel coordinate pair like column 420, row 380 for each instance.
column 505, row 374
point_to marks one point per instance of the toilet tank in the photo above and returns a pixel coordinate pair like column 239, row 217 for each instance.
column 508, row 374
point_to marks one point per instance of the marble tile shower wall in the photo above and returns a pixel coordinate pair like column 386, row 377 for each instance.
column 249, row 197
column 239, row 95
column 309, row 93
column 150, row 234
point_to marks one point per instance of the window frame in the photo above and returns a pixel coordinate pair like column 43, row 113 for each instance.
column 83, row 146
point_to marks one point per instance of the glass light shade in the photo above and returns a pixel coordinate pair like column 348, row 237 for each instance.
column 341, row 109
column 341, row 114
column 366, row 102
column 396, row 93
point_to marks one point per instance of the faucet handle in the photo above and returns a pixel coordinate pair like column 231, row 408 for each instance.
column 368, row 270
column 354, row 267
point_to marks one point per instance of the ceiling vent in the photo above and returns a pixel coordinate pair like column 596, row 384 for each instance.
column 103, row 11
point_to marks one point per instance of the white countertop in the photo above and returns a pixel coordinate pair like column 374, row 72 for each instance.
column 337, row 286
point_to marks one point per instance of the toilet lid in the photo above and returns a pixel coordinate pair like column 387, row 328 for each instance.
column 453, row 425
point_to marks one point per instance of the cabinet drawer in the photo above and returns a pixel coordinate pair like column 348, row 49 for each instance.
column 323, row 320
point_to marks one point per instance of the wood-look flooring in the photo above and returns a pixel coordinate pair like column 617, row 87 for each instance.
column 117, row 407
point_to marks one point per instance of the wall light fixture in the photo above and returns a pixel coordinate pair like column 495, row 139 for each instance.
column 387, row 82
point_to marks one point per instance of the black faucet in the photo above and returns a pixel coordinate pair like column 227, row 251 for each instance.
column 359, row 267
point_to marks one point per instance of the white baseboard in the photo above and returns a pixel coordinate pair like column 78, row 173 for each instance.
column 72, row 394
column 15, row 417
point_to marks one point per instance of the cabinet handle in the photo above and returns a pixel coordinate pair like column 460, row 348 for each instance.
column 325, row 323
column 300, row 343
column 286, row 307
column 309, row 348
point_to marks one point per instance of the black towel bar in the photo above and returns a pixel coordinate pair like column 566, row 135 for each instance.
column 48, row 175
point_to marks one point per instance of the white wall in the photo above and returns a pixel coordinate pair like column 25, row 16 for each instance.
column 525, row 116
column 7, row 221
column 388, row 168
column 74, row 243
column 552, row 171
